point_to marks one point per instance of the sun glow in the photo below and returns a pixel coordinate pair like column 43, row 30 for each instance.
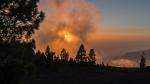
column 68, row 24
column 68, row 37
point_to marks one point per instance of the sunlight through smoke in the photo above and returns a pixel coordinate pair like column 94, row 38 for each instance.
column 68, row 23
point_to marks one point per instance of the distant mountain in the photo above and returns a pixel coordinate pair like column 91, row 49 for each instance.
column 131, row 59
column 136, row 55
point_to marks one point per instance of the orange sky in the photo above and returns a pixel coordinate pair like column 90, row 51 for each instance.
column 68, row 23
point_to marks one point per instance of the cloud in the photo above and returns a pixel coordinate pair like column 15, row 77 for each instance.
column 123, row 63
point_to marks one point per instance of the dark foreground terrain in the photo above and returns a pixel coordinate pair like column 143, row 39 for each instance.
column 89, row 75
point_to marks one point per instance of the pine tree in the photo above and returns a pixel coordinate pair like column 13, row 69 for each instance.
column 18, row 18
column 49, row 54
column 47, row 51
column 143, row 61
column 64, row 55
column 38, row 57
column 92, row 56
column 81, row 54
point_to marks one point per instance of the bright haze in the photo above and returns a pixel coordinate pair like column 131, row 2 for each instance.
column 111, row 27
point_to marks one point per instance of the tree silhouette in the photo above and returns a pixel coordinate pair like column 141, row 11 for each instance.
column 81, row 54
column 16, row 58
column 40, row 57
column 47, row 51
column 49, row 54
column 71, row 61
column 64, row 55
column 143, row 61
column 92, row 56
column 56, row 59
column 18, row 18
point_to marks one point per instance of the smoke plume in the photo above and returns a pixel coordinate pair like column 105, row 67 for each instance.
column 67, row 24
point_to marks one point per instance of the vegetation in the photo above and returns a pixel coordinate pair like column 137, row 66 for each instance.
column 18, row 20
column 81, row 54
column 143, row 61
column 50, row 57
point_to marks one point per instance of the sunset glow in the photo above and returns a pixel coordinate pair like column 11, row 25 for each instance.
column 68, row 24
column 68, row 37
column 97, row 23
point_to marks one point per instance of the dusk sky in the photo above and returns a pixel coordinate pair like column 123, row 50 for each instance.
column 124, row 15
column 122, row 26
column 129, row 18
column 125, row 19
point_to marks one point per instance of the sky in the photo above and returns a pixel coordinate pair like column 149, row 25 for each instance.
column 124, row 15
column 126, row 24
column 121, row 25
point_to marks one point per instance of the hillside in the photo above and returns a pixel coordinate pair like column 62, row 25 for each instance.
column 89, row 75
